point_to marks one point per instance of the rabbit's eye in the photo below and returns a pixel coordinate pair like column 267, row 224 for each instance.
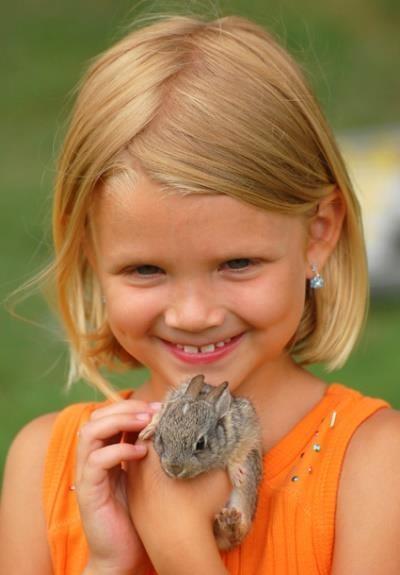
column 201, row 443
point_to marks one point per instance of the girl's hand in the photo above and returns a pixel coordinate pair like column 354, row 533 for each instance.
column 174, row 517
column 114, row 545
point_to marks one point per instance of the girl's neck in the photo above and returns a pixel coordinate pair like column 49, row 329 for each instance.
column 284, row 399
column 282, row 394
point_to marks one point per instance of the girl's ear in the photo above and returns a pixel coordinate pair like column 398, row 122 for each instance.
column 324, row 229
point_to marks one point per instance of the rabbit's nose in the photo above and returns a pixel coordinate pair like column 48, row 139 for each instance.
column 175, row 469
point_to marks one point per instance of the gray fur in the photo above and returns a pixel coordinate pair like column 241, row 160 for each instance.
column 202, row 427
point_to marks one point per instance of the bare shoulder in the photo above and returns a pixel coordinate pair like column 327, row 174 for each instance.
column 368, row 505
column 23, row 537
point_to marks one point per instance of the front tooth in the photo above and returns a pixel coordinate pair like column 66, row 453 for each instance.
column 191, row 349
column 220, row 344
column 209, row 347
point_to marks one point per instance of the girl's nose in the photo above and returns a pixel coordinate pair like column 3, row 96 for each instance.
column 194, row 311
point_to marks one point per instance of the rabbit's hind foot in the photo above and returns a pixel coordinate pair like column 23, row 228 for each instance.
column 230, row 527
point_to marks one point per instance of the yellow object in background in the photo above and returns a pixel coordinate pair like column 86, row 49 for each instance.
column 373, row 160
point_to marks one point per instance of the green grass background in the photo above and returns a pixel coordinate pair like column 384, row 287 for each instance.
column 350, row 51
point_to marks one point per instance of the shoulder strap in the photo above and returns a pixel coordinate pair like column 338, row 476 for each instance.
column 67, row 543
column 336, row 434
column 60, row 460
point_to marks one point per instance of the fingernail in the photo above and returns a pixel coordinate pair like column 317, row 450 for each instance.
column 142, row 416
column 140, row 449
column 155, row 405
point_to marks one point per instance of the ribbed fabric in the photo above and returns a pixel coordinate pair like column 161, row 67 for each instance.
column 293, row 530
column 68, row 548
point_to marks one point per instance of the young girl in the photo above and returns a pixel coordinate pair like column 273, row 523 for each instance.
column 204, row 223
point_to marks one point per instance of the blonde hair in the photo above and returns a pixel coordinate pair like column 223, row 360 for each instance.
column 203, row 106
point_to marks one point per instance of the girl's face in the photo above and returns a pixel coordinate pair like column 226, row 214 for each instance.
column 199, row 284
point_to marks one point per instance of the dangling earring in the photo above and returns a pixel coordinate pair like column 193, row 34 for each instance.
column 317, row 281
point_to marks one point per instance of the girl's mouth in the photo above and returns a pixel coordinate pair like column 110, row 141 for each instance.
column 204, row 354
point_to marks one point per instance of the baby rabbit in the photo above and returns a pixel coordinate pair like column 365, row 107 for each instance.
column 202, row 427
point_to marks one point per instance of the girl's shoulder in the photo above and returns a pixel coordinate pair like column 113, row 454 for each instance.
column 27, row 455
column 23, row 535
column 32, row 462
column 368, row 502
column 35, row 459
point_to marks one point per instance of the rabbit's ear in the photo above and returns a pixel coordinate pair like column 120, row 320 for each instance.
column 221, row 397
column 195, row 386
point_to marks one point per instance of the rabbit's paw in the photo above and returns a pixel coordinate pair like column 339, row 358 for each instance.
column 238, row 474
column 230, row 527
column 147, row 431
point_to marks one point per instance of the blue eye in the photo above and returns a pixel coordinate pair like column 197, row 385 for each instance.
column 239, row 263
column 144, row 270
column 147, row 270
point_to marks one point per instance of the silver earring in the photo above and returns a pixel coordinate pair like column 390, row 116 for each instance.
column 317, row 281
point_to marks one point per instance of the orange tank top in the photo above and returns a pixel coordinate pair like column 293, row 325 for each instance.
column 293, row 530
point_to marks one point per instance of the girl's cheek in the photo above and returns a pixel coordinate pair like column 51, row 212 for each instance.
column 131, row 311
column 278, row 301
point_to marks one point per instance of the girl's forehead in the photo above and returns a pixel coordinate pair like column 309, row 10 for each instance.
column 146, row 221
column 148, row 206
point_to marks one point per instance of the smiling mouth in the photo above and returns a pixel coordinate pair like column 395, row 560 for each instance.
column 208, row 348
column 205, row 353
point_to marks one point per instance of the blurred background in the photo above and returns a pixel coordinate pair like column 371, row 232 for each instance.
column 349, row 51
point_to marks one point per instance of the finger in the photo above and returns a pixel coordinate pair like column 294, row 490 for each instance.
column 96, row 434
column 101, row 461
column 127, row 406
